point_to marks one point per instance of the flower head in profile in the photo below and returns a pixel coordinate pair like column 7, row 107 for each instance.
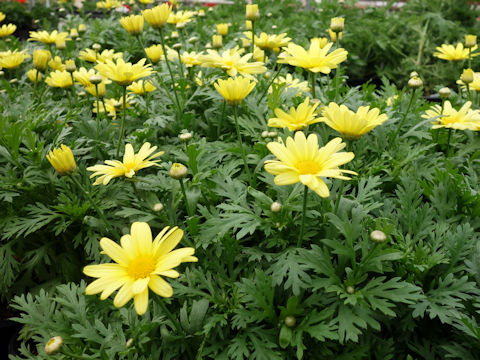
column 233, row 62
column 269, row 41
column 48, row 38
column 133, row 24
column 109, row 4
column 315, row 59
column 131, row 164
column 12, row 59
column 124, row 73
column 93, row 56
column 62, row 160
column 139, row 264
column 351, row 125
column 222, row 29
column 60, row 79
column 57, row 64
column 305, row 114
column 180, row 17
column 112, row 105
column 449, row 118
column 470, row 41
column 141, row 87
column 157, row 16
column 41, row 58
column 234, row 90
column 154, row 53
column 300, row 160
column 474, row 85
column 454, row 53
column 251, row 12
column 7, row 29
column 34, row 75
column 289, row 82
column 2, row 16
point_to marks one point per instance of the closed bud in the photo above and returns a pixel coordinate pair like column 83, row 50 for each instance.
column 157, row 207
column 337, row 24
column 201, row 13
column 415, row 82
column 276, row 207
column 82, row 28
column 73, row 33
column 222, row 29
column 467, row 76
column 129, row 343
column 378, row 236
column 178, row 171
column 62, row 160
column 269, row 14
column 13, row 81
column 248, row 24
column 251, row 12
column 70, row 65
column 96, row 47
column 272, row 134
column 181, row 25
column 413, row 74
column 184, row 137
column 290, row 321
column 54, row 345
column 60, row 45
column 193, row 40
column 444, row 92
column 264, row 134
column 174, row 35
column 177, row 46
column 217, row 41
column 2, row 73
column 274, row 27
column 470, row 41
column 95, row 79
column 81, row 93
column 350, row 289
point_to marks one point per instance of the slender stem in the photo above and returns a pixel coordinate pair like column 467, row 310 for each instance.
column 98, row 110
column 469, row 95
column 122, row 126
column 175, row 322
column 339, row 196
column 135, row 190
column 313, row 84
column 219, row 128
column 182, row 75
column 95, row 206
column 469, row 57
column 448, row 140
column 337, row 72
column 187, row 205
column 240, row 143
column 304, row 211
column 253, row 37
column 400, row 124
column 73, row 85
column 162, row 41
column 36, row 81
column 270, row 83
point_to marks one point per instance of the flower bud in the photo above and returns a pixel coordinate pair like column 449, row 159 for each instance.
column 2, row 73
column 40, row 59
column 217, row 41
column 248, row 24
column 13, row 81
column 54, row 345
column 274, row 27
column 81, row 93
column 193, row 40
column 62, row 160
column 264, row 134
column 95, row 79
column 251, row 12
column 269, row 14
column 276, row 207
column 177, row 46
column 184, row 137
column 222, row 29
column 350, row 289
column 82, row 28
column 415, row 82
column 470, row 41
column 337, row 24
column 157, row 207
column 467, row 76
column 178, row 171
column 96, row 47
column 272, row 134
column 378, row 236
column 73, row 33
column 444, row 92
column 70, row 66
column 413, row 74
column 60, row 45
column 245, row 43
column 181, row 25
column 201, row 13
column 290, row 321
column 129, row 343
column 174, row 35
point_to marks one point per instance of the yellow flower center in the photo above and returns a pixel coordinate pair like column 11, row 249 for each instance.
column 141, row 267
column 51, row 341
column 308, row 167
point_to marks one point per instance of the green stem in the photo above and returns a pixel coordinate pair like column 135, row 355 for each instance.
column 219, row 128
column 95, row 206
column 448, row 140
column 469, row 95
column 270, row 83
column 339, row 196
column 122, row 126
column 404, row 116
column 253, row 37
column 187, row 205
column 35, row 85
column 304, row 211
column 162, row 41
column 313, row 85
column 240, row 143
column 337, row 72
column 98, row 109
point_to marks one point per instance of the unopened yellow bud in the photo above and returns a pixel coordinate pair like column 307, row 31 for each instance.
column 251, row 12
column 337, row 24
column 217, row 41
column 378, row 236
column 54, row 345
column 467, row 76
column 470, row 41
column 444, row 92
column 178, row 171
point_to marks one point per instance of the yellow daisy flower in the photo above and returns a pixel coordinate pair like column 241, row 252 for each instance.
column 233, row 63
column 290, row 83
column 180, row 17
column 48, row 38
column 62, row 160
column 315, row 59
column 139, row 265
column 305, row 114
column 300, row 160
column 154, row 53
column 474, row 85
column 157, row 17
column 352, row 125
column 234, row 90
column 7, row 29
column 2, row 16
column 56, row 64
column 141, row 87
column 32, row 75
column 131, row 164
column 60, row 79
column 133, row 24
column 92, row 56
column 109, row 4
column 12, row 59
column 124, row 73
column 268, row 41
column 463, row 119
column 452, row 53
